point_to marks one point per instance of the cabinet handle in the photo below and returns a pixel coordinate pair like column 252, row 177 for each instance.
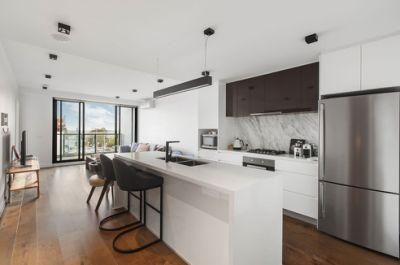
column 321, row 159
column 322, row 199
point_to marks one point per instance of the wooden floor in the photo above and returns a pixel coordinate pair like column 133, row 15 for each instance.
column 60, row 228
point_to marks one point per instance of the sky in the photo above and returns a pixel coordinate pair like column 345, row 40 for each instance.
column 98, row 115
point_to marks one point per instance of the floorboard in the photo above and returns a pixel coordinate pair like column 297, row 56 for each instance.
column 60, row 228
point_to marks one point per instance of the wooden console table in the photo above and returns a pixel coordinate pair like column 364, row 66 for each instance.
column 23, row 177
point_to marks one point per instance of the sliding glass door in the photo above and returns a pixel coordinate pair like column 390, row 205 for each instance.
column 83, row 128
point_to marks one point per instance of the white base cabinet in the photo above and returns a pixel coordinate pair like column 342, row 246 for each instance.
column 300, row 187
column 300, row 179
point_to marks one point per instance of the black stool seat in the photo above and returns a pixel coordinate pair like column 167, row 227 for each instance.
column 131, row 179
column 107, row 170
column 140, row 181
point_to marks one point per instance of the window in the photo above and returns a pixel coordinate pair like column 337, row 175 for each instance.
column 81, row 128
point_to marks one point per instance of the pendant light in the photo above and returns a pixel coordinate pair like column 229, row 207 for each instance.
column 206, row 80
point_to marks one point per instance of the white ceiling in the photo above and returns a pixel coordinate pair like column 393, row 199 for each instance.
column 252, row 37
column 76, row 74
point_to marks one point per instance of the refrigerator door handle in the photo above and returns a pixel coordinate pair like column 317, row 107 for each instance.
column 321, row 159
column 322, row 200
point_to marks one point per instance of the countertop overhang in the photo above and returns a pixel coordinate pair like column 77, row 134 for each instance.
column 216, row 175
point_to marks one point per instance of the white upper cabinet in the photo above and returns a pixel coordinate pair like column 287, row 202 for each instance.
column 340, row 71
column 381, row 63
column 208, row 107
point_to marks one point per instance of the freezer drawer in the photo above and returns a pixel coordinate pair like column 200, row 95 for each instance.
column 360, row 141
column 364, row 217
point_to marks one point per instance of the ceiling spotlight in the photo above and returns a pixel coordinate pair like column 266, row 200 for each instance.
column 64, row 31
column 53, row 56
column 47, row 76
column 311, row 38
column 134, row 90
column 44, row 87
column 160, row 80
column 64, row 28
column 117, row 97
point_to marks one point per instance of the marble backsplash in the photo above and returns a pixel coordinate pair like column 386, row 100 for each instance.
column 275, row 131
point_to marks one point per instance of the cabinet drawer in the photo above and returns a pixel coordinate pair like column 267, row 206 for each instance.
column 300, row 204
column 298, row 167
column 230, row 158
column 302, row 184
column 208, row 154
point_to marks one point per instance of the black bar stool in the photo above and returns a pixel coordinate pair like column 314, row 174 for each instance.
column 131, row 180
column 109, row 175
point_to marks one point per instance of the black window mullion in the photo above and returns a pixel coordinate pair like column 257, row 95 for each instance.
column 61, row 126
column 83, row 130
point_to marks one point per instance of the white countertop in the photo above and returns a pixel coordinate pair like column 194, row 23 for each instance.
column 220, row 176
column 275, row 157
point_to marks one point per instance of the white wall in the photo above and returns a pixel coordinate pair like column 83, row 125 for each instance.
column 174, row 118
column 8, row 104
column 36, row 118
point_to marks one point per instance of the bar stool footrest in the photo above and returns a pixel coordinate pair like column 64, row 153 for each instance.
column 111, row 217
column 129, row 251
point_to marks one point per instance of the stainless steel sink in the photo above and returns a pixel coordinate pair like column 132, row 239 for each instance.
column 185, row 161
column 192, row 163
column 176, row 159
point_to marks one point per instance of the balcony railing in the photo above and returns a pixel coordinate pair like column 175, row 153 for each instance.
column 92, row 143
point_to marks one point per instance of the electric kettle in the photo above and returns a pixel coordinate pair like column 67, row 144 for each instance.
column 238, row 144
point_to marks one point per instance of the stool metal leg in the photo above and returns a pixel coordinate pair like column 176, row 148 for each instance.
column 160, row 211
column 109, row 218
column 103, row 191
column 90, row 194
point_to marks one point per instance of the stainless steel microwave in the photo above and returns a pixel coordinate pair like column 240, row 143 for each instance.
column 209, row 141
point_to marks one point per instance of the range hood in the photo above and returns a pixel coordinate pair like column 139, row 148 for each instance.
column 186, row 86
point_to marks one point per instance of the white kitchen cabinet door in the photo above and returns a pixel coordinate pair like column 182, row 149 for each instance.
column 340, row 71
column 381, row 63
column 208, row 154
column 208, row 107
column 301, row 204
column 301, row 184
column 230, row 157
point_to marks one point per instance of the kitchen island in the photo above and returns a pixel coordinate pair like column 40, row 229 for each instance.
column 215, row 213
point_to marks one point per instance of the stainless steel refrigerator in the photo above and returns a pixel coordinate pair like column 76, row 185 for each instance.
column 359, row 168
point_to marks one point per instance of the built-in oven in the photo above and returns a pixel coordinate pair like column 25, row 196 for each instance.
column 209, row 141
column 261, row 163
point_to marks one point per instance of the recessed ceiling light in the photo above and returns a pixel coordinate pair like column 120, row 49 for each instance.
column 53, row 56
column 64, row 31
column 117, row 97
column 44, row 87
column 64, row 28
column 160, row 80
column 47, row 76
column 134, row 90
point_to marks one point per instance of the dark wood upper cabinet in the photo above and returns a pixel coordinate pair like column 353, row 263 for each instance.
column 256, row 87
column 309, row 87
column 282, row 91
column 231, row 105
column 291, row 90
column 243, row 98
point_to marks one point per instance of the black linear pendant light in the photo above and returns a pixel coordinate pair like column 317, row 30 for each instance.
column 206, row 80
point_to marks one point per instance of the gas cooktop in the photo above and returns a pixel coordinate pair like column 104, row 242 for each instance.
column 266, row 151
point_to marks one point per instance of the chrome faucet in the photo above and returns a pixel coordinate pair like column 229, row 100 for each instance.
column 168, row 150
